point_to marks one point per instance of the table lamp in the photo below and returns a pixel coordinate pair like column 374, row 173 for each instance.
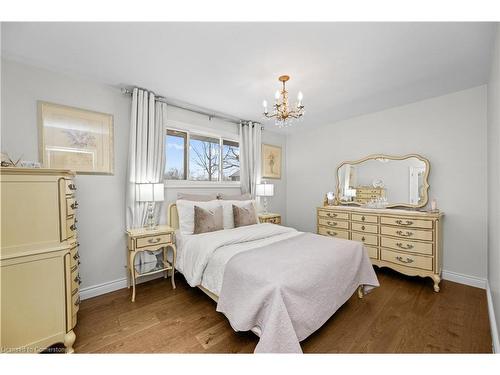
column 265, row 190
column 150, row 193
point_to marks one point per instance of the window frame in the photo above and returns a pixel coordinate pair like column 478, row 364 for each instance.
column 188, row 130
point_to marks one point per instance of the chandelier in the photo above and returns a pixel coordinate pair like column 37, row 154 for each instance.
column 283, row 113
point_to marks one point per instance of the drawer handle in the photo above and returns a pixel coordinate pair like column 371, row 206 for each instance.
column 363, row 218
column 154, row 240
column 331, row 233
column 363, row 227
column 329, row 214
column 408, row 260
column 78, row 280
column 72, row 227
column 72, row 187
column 74, row 205
column 363, row 238
column 76, row 256
column 407, row 247
column 77, row 302
column 407, row 222
column 332, row 223
column 404, row 234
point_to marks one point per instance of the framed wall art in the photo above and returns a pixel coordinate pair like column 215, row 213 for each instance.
column 271, row 161
column 75, row 139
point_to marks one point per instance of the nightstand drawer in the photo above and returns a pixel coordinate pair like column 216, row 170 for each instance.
column 71, row 206
column 70, row 187
column 153, row 240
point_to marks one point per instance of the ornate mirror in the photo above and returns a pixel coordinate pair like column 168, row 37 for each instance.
column 384, row 181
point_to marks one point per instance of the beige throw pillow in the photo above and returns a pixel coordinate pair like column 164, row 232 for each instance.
column 244, row 215
column 207, row 220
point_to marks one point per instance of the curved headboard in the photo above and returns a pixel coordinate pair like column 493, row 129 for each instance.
column 173, row 216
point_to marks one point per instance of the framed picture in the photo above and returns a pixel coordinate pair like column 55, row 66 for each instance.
column 75, row 139
column 271, row 161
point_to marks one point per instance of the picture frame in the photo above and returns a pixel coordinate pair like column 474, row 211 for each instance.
column 77, row 139
column 271, row 161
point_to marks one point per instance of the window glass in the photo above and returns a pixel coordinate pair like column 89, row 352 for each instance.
column 203, row 158
column 175, row 148
column 230, row 161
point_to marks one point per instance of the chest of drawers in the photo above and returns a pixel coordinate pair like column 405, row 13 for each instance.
column 409, row 242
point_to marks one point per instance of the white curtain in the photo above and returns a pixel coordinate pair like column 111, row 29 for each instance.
column 250, row 149
column 146, row 160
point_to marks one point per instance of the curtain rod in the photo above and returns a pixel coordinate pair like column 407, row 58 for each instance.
column 234, row 120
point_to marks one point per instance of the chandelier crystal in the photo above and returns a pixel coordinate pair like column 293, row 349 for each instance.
column 284, row 114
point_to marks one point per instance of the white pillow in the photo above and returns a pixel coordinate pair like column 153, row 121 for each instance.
column 185, row 209
column 227, row 211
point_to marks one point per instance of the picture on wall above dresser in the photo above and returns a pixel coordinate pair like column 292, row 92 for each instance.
column 398, row 234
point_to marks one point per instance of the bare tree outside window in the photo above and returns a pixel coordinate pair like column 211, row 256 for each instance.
column 230, row 161
column 204, row 158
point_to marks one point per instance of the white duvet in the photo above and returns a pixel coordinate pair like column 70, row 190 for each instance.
column 201, row 258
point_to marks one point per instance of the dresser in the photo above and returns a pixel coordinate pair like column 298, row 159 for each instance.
column 410, row 242
column 39, row 259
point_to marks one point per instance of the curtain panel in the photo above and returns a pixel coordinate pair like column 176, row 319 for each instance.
column 146, row 159
column 250, row 152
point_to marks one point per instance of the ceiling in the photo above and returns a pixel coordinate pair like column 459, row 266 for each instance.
column 343, row 69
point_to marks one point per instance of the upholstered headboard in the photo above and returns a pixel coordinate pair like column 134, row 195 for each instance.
column 173, row 216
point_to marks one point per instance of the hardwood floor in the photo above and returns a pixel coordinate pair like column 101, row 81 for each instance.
column 404, row 315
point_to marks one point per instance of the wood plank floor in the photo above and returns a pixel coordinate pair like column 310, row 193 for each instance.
column 404, row 315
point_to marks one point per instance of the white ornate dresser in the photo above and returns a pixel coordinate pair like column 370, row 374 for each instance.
column 408, row 240
column 39, row 259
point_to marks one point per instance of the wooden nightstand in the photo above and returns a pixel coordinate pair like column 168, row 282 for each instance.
column 142, row 239
column 270, row 218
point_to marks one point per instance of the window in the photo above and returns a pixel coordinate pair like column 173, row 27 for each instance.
column 198, row 157
column 175, row 148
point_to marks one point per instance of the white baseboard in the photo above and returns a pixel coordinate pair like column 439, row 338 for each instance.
column 493, row 321
column 111, row 286
column 464, row 279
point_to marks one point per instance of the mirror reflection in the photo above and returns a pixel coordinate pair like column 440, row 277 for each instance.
column 380, row 182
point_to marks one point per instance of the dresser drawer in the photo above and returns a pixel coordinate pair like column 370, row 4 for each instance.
column 407, row 222
column 333, row 232
column 75, row 278
column 70, row 227
column 407, row 260
column 365, row 228
column 405, row 245
column 154, row 240
column 409, row 233
column 70, row 187
column 334, row 223
column 367, row 239
column 75, row 301
column 71, row 206
column 75, row 257
column 364, row 218
column 372, row 252
column 333, row 214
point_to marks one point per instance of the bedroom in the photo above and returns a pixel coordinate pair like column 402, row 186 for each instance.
column 331, row 193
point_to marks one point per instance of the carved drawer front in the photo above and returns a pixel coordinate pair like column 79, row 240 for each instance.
column 407, row 222
column 70, row 187
column 409, row 233
column 75, row 301
column 334, row 223
column 70, row 227
column 405, row 245
column 334, row 214
column 366, row 228
column 75, row 280
column 153, row 240
column 364, row 218
column 75, row 256
column 368, row 239
column 71, row 206
column 372, row 252
column 414, row 261
column 334, row 232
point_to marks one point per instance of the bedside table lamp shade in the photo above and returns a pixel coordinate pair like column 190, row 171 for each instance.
column 150, row 193
column 265, row 190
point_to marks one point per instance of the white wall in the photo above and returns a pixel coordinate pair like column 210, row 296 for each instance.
column 494, row 184
column 449, row 130
column 101, row 213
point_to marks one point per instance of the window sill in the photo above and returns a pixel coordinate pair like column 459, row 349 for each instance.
column 201, row 184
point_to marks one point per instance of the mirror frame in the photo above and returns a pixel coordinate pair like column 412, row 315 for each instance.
column 380, row 156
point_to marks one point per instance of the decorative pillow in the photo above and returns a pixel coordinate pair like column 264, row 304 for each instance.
column 207, row 220
column 197, row 197
column 227, row 208
column 185, row 210
column 244, row 215
column 241, row 197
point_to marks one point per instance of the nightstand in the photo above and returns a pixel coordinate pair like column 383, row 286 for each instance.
column 270, row 218
column 142, row 239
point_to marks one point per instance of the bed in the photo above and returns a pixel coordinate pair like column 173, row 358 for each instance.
column 279, row 283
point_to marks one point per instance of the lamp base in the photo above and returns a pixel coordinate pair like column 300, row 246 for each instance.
column 150, row 224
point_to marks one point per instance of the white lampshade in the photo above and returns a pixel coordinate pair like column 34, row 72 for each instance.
column 265, row 190
column 150, row 192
